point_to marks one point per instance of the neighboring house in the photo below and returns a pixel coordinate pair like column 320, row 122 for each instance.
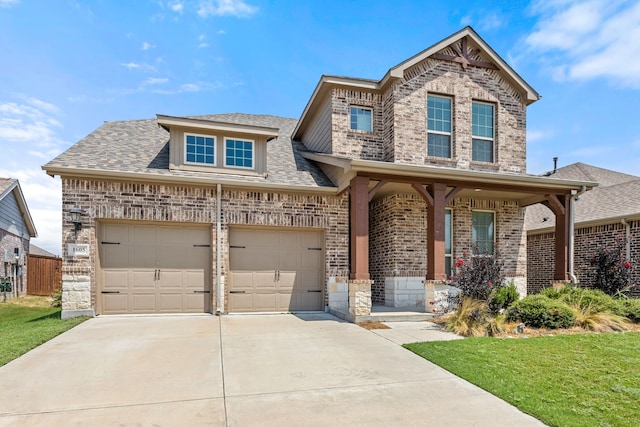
column 375, row 190
column 16, row 229
column 602, row 214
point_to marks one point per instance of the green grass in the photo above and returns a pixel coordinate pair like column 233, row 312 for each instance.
column 23, row 328
column 570, row 380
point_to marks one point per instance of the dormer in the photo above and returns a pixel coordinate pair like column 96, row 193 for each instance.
column 201, row 145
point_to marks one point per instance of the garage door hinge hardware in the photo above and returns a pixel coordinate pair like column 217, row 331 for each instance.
column 110, row 243
column 314, row 249
column 237, row 247
column 201, row 246
column 318, row 290
column 201, row 292
column 110, row 292
column 236, row 292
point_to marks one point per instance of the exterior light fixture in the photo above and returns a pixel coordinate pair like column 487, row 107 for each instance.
column 75, row 219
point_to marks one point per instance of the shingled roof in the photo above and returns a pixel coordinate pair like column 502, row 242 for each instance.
column 616, row 197
column 142, row 147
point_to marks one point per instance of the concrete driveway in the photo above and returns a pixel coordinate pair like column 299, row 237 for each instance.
column 266, row 370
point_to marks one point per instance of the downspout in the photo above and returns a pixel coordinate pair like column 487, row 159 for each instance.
column 627, row 236
column 219, row 284
column 572, row 231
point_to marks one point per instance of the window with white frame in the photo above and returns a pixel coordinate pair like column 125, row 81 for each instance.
column 483, row 232
column 448, row 242
column 482, row 140
column 239, row 153
column 200, row 149
column 361, row 119
column 438, row 126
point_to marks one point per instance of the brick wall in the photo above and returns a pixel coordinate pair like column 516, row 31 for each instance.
column 541, row 253
column 8, row 242
column 177, row 203
column 397, row 240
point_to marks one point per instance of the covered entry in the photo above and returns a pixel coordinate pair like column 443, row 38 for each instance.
column 275, row 270
column 150, row 268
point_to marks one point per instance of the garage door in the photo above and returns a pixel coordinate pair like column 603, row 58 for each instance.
column 275, row 270
column 154, row 269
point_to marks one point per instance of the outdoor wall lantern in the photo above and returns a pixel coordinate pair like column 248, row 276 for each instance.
column 75, row 219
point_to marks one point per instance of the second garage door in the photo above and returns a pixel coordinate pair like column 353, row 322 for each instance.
column 275, row 270
column 146, row 268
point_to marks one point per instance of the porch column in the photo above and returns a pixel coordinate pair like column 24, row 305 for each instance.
column 560, row 206
column 359, row 217
column 359, row 283
column 435, row 234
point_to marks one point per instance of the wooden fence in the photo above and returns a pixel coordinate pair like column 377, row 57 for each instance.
column 44, row 275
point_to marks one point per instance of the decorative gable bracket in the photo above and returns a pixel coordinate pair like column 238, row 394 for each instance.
column 464, row 55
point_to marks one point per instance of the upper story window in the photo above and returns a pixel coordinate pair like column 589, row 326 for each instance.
column 239, row 153
column 438, row 126
column 483, row 232
column 482, row 132
column 200, row 149
column 361, row 119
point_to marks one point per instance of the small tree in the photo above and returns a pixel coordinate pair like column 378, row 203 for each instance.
column 478, row 275
column 613, row 270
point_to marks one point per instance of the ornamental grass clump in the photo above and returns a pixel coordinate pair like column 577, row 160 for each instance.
column 478, row 276
column 592, row 319
column 470, row 318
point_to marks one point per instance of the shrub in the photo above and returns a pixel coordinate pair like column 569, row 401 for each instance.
column 57, row 299
column 477, row 276
column 538, row 311
column 613, row 270
column 593, row 299
column 503, row 297
column 627, row 307
column 470, row 319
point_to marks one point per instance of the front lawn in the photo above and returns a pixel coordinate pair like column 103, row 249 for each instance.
column 569, row 380
column 23, row 328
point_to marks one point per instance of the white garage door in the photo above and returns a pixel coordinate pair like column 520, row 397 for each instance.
column 154, row 269
column 275, row 270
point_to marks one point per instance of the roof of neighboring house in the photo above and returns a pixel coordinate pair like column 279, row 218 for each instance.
column 37, row 250
column 8, row 186
column 617, row 197
column 140, row 149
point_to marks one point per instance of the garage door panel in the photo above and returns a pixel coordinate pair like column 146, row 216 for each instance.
column 309, row 300
column 311, row 259
column 264, row 279
column 265, row 302
column 289, row 260
column 241, row 302
column 266, row 239
column 242, row 280
column 155, row 268
column 286, row 281
column 285, row 302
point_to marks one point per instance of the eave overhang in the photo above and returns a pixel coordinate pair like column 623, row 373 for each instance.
column 186, row 122
column 527, row 189
column 156, row 178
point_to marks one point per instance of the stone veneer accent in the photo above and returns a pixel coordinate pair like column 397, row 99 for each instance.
column 541, row 254
column 8, row 242
column 359, row 298
column 397, row 240
column 114, row 200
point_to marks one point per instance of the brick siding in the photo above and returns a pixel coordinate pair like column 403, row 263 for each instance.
column 8, row 242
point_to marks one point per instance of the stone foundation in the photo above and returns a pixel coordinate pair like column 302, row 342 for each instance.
column 404, row 291
column 438, row 296
column 76, row 296
column 360, row 297
column 338, row 289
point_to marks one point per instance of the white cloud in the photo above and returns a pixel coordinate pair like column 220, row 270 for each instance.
column 534, row 135
column 190, row 88
column 236, row 8
column 483, row 20
column 136, row 66
column 147, row 46
column 8, row 3
column 222, row 32
column 203, row 45
column 131, row 65
column 176, row 6
column 155, row 81
column 585, row 40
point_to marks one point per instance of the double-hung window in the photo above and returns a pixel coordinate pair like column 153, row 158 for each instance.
column 239, row 153
column 483, row 232
column 482, row 140
column 200, row 149
column 438, row 126
column 361, row 119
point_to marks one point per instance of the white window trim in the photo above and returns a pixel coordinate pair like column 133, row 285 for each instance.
column 437, row 132
column 362, row 107
column 495, row 230
column 484, row 138
column 253, row 153
column 215, row 149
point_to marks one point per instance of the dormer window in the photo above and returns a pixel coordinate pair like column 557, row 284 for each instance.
column 200, row 149
column 361, row 119
column 239, row 153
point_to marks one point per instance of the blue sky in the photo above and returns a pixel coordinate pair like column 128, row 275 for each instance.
column 67, row 66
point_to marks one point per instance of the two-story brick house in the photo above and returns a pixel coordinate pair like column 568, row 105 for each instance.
column 374, row 190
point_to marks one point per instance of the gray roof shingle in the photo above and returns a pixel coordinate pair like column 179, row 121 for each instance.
column 5, row 183
column 141, row 146
column 618, row 195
